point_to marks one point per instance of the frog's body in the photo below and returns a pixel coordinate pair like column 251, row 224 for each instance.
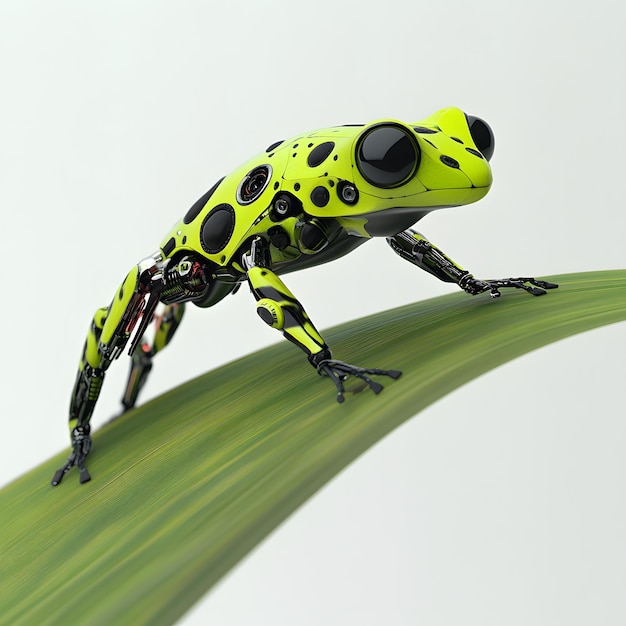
column 312, row 172
column 302, row 202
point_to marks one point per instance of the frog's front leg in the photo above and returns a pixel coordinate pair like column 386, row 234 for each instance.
column 414, row 247
column 280, row 309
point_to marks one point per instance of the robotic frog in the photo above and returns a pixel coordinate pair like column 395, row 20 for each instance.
column 302, row 202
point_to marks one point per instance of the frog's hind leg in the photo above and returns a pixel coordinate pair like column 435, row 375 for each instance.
column 165, row 325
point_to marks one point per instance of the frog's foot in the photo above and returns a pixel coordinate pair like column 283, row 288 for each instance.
column 81, row 445
column 338, row 372
column 531, row 285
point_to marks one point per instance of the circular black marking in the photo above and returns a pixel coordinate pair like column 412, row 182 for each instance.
column 387, row 155
column 320, row 196
column 294, row 155
column 295, row 145
column 253, row 184
column 297, row 186
column 331, row 183
column 184, row 240
column 217, row 228
column 199, row 204
column 276, row 185
column 449, row 161
column 310, row 145
column 474, row 152
column 335, row 157
column 320, row 153
column 266, row 316
column 274, row 146
column 422, row 130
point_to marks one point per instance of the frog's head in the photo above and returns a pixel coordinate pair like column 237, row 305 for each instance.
column 447, row 153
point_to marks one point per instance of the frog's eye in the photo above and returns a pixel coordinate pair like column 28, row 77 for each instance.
column 387, row 155
column 482, row 135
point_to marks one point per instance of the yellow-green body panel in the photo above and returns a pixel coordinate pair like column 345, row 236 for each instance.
column 433, row 186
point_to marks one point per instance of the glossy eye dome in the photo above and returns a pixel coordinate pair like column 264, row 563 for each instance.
column 482, row 135
column 387, row 155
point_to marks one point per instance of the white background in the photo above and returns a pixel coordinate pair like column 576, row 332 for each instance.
column 502, row 504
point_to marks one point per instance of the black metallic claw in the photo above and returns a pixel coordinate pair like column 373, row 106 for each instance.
column 542, row 283
column 338, row 380
column 520, row 283
column 58, row 476
column 73, row 460
column 84, row 476
column 339, row 371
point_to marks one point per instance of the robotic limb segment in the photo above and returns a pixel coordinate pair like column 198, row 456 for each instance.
column 141, row 363
column 280, row 309
column 415, row 248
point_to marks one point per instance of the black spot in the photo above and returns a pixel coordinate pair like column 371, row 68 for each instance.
column 168, row 248
column 197, row 207
column 295, row 145
column 310, row 145
column 274, row 146
column 120, row 295
column 276, row 185
column 266, row 316
column 320, row 153
column 297, row 186
column 422, row 130
column 217, row 228
column 449, row 161
column 320, row 196
column 474, row 152
column 184, row 240
column 331, row 183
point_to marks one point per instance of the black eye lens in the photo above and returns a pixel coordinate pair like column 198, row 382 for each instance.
column 482, row 135
column 387, row 156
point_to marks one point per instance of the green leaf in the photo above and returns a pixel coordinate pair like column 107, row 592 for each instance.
column 186, row 485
